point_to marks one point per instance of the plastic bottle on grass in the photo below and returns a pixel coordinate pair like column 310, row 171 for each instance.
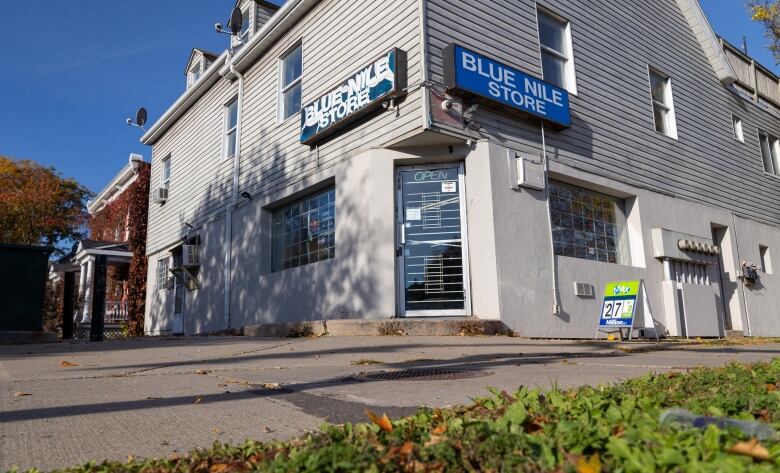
column 685, row 418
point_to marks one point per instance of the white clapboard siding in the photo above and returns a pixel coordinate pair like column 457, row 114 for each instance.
column 613, row 133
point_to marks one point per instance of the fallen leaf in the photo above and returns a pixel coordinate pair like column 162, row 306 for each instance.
column 591, row 464
column 217, row 431
column 770, row 388
column 267, row 430
column 219, row 468
column 256, row 458
column 198, row 400
column 222, row 385
column 203, row 372
column 407, row 449
column 434, row 440
column 752, row 449
column 67, row 364
column 439, row 430
column 272, row 385
column 21, row 394
column 383, row 422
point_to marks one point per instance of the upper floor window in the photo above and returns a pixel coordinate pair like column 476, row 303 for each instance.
column 231, row 128
column 739, row 135
column 588, row 225
column 770, row 152
column 243, row 35
column 291, row 71
column 557, row 51
column 165, row 176
column 195, row 73
column 663, row 104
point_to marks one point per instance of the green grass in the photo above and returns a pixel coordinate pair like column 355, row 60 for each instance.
column 530, row 430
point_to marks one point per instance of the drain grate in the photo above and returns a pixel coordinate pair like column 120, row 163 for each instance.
column 429, row 374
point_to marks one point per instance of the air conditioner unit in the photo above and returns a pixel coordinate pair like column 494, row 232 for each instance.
column 190, row 256
column 161, row 195
column 583, row 289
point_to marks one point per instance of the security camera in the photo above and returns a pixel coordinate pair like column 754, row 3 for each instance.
column 446, row 105
column 218, row 27
column 129, row 121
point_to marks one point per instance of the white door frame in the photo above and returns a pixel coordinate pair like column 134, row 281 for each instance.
column 399, row 237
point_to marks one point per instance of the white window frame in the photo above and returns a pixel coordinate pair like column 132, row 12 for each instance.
column 774, row 153
column 196, row 69
column 671, row 118
column 243, row 38
column 232, row 130
column 162, row 277
column 165, row 181
column 570, row 79
column 739, row 129
column 284, row 89
column 765, row 256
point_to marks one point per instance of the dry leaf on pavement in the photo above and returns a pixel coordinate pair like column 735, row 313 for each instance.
column 383, row 422
column 752, row 449
column 21, row 394
column 203, row 372
column 67, row 364
column 198, row 400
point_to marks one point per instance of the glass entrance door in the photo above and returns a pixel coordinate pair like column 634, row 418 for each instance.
column 431, row 252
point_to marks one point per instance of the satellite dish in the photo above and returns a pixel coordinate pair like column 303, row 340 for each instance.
column 236, row 20
column 140, row 117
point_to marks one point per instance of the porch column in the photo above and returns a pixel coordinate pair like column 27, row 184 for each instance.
column 82, row 289
column 86, row 315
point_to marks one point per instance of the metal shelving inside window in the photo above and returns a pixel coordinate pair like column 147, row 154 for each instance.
column 588, row 225
column 304, row 232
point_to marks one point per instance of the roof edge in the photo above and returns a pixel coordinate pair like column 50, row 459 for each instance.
column 286, row 16
column 702, row 30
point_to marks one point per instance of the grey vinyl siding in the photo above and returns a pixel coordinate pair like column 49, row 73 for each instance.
column 613, row 133
column 200, row 176
column 271, row 154
column 262, row 14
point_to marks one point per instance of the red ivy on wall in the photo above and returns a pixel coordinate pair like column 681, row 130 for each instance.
column 125, row 220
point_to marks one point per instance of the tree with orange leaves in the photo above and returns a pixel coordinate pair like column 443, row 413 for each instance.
column 38, row 206
column 767, row 12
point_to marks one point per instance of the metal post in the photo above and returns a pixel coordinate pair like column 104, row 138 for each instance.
column 67, row 305
column 99, row 300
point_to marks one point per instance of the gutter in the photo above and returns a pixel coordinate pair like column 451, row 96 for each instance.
column 279, row 24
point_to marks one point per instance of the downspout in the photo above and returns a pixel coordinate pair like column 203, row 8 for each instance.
column 234, row 200
column 739, row 268
column 426, row 99
column 556, row 308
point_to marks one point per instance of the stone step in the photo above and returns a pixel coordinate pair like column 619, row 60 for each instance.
column 433, row 326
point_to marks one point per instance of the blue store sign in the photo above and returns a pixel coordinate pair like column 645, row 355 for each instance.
column 474, row 74
column 356, row 97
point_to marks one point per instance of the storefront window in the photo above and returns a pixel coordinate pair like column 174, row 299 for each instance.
column 588, row 225
column 305, row 232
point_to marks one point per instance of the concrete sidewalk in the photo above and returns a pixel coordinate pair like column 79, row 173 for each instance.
column 155, row 397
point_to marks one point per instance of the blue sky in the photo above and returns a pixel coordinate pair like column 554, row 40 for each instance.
column 69, row 81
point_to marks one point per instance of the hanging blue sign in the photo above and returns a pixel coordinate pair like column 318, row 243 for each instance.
column 472, row 73
column 359, row 95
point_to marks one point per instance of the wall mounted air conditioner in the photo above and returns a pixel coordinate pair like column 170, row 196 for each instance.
column 583, row 289
column 161, row 195
column 190, row 256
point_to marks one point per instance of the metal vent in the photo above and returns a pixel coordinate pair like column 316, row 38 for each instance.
column 583, row 289
column 425, row 374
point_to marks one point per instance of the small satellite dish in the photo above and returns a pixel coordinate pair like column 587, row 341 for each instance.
column 141, row 117
column 236, row 20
